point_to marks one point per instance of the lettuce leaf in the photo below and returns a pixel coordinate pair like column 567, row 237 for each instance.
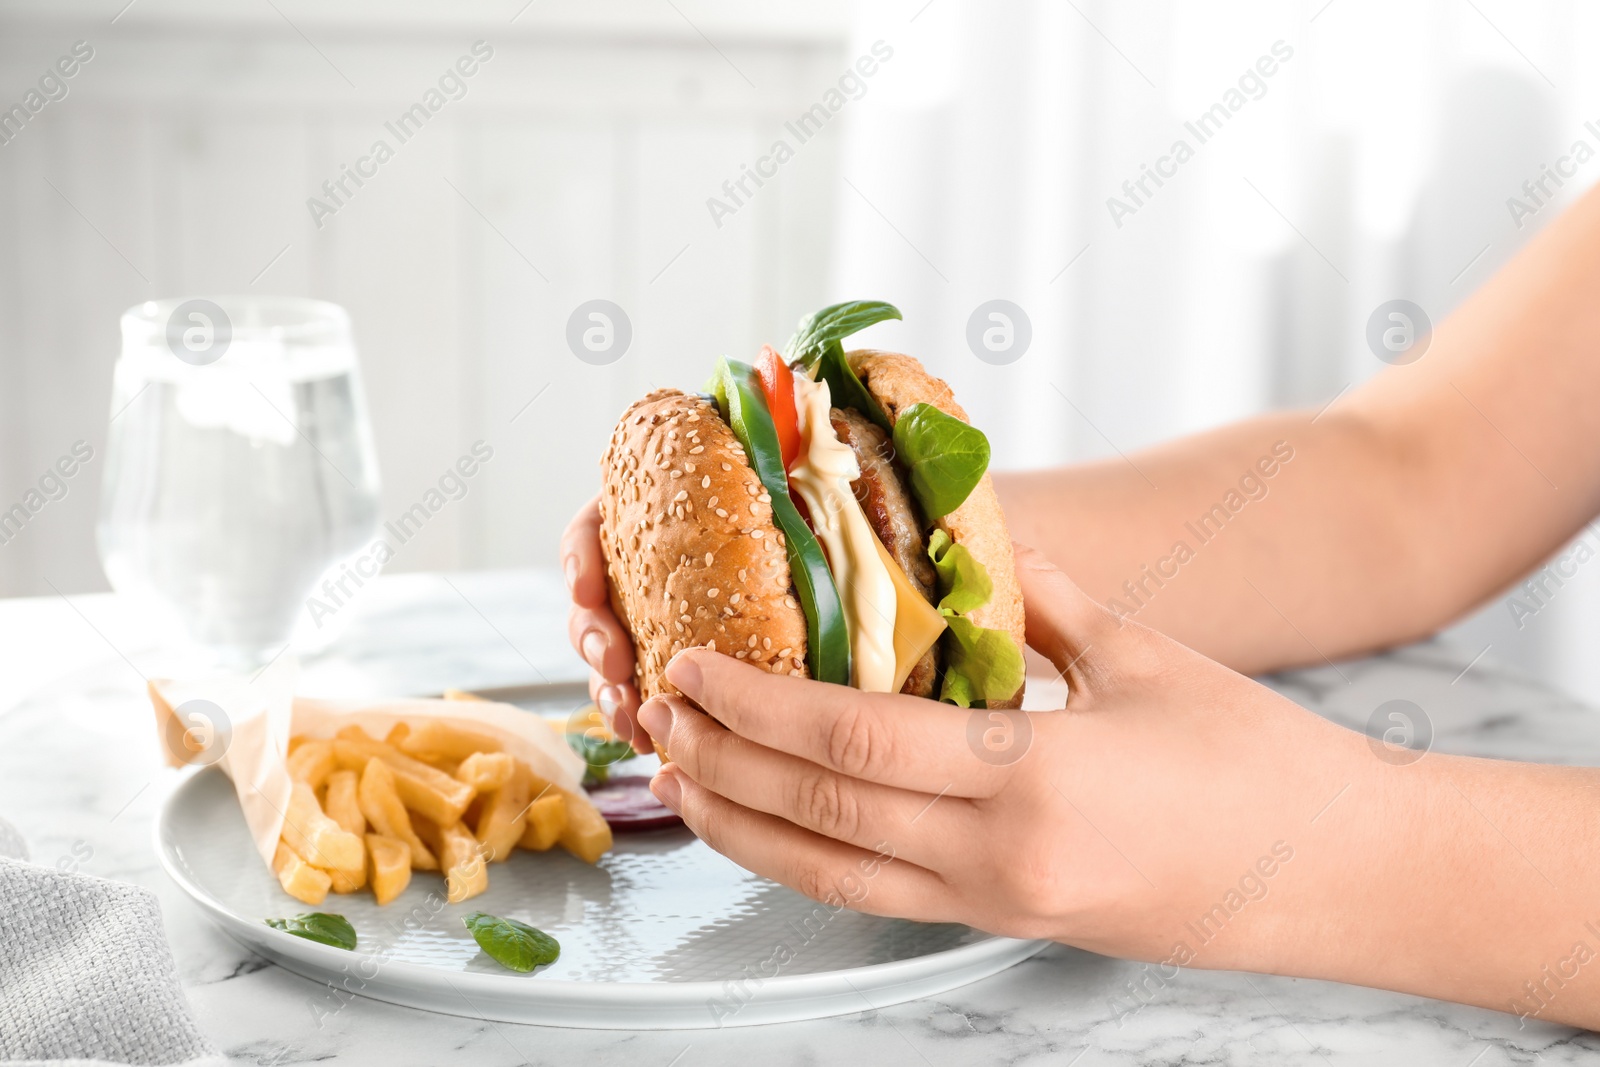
column 980, row 664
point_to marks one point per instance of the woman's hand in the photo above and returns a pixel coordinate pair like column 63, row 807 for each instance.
column 594, row 629
column 1109, row 825
column 1174, row 812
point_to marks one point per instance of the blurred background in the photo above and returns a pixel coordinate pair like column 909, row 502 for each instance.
column 597, row 152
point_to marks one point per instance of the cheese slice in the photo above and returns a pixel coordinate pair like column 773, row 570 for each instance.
column 917, row 623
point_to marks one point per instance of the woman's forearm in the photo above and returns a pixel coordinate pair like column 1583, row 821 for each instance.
column 1469, row 880
column 1254, row 544
column 1408, row 501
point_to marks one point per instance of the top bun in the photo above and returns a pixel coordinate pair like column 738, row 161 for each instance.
column 693, row 556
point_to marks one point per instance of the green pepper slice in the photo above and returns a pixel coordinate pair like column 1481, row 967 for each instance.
column 744, row 406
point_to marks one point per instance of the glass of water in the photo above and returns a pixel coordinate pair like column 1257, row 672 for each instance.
column 239, row 468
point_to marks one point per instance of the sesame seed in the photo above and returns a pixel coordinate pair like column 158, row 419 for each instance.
column 712, row 592
column 734, row 599
column 677, row 474
column 722, row 513
column 743, row 575
column 785, row 653
column 766, row 642
column 727, row 467
column 689, row 467
column 705, row 483
column 683, row 494
column 711, row 645
column 757, row 534
column 683, row 605
column 696, row 450
column 709, row 558
column 741, row 654
column 752, row 641
column 789, row 601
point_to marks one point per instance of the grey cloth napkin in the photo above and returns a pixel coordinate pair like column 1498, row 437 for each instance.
column 86, row 975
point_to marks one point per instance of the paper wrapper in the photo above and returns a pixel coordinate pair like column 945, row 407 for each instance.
column 244, row 727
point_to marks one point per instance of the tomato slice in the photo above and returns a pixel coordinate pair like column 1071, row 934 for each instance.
column 777, row 381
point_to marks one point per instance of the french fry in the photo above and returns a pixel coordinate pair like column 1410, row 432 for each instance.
column 381, row 805
column 299, row 879
column 389, row 866
column 485, row 771
column 342, row 805
column 465, row 872
column 397, row 733
column 442, row 738
column 504, row 816
column 422, row 788
column 318, row 839
column 343, row 808
column 587, row 835
column 311, row 762
column 545, row 820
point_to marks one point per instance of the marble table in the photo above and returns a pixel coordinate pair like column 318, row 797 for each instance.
column 81, row 776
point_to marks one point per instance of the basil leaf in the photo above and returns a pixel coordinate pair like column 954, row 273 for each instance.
column 945, row 456
column 845, row 390
column 979, row 664
column 319, row 926
column 598, row 752
column 820, row 329
column 512, row 944
column 827, row 637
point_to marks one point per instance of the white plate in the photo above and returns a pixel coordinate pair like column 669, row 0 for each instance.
column 663, row 934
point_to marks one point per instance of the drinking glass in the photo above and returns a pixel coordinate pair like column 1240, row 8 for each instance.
column 239, row 467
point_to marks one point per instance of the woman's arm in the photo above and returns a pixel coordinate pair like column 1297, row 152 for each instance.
column 1175, row 812
column 1410, row 500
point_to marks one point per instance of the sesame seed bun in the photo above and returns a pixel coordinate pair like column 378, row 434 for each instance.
column 693, row 556
column 691, row 551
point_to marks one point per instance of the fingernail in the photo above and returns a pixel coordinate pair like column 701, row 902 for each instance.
column 656, row 718
column 684, row 673
column 594, row 648
column 609, row 698
column 570, row 567
column 667, row 790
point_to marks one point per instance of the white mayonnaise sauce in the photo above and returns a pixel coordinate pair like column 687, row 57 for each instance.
column 822, row 475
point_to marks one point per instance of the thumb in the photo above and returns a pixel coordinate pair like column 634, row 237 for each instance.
column 1064, row 624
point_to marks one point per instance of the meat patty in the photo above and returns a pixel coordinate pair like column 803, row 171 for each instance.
column 894, row 517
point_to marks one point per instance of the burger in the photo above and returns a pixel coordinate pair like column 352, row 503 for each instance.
column 818, row 513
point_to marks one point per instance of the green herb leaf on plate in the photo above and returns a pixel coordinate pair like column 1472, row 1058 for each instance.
column 510, row 943
column 945, row 456
column 598, row 752
column 319, row 926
